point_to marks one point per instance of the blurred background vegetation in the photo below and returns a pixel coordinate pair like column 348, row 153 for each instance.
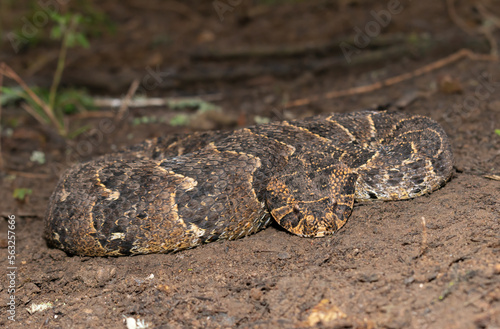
column 72, row 53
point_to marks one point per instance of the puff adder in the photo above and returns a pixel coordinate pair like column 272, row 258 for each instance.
column 174, row 193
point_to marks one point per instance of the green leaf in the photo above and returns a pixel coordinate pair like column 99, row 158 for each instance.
column 179, row 120
column 10, row 95
column 497, row 131
column 200, row 104
column 206, row 106
column 70, row 100
column 56, row 33
column 13, row 122
column 37, row 156
column 54, row 16
column 71, row 41
column 21, row 193
column 17, row 94
column 79, row 131
column 82, row 40
column 144, row 120
column 261, row 120
column 77, row 18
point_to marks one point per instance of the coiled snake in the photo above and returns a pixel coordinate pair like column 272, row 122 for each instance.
column 174, row 193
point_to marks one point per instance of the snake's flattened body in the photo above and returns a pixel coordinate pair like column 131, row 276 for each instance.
column 175, row 193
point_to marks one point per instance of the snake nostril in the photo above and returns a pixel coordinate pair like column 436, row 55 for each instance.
column 332, row 203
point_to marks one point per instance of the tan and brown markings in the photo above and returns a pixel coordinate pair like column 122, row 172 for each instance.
column 175, row 193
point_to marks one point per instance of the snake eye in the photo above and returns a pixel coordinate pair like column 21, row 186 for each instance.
column 416, row 190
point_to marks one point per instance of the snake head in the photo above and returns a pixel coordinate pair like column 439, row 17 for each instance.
column 312, row 203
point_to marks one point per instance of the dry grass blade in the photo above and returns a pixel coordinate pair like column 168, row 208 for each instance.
column 31, row 111
column 10, row 73
column 450, row 5
column 491, row 23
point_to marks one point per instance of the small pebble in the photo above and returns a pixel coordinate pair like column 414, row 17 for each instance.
column 284, row 255
column 368, row 278
column 409, row 280
column 256, row 293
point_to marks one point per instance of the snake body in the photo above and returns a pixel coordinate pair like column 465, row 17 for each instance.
column 174, row 193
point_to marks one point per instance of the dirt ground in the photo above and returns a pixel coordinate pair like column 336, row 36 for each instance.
column 430, row 262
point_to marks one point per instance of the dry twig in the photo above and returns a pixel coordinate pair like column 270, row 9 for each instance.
column 490, row 23
column 424, row 245
column 394, row 80
column 126, row 101
column 450, row 5
column 493, row 177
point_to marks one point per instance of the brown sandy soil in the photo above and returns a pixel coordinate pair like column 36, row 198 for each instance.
column 431, row 262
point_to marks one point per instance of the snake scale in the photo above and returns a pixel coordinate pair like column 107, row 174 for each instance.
column 174, row 193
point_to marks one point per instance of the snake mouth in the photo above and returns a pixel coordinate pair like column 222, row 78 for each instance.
column 312, row 219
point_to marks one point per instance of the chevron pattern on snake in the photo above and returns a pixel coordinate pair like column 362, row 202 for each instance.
column 174, row 193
